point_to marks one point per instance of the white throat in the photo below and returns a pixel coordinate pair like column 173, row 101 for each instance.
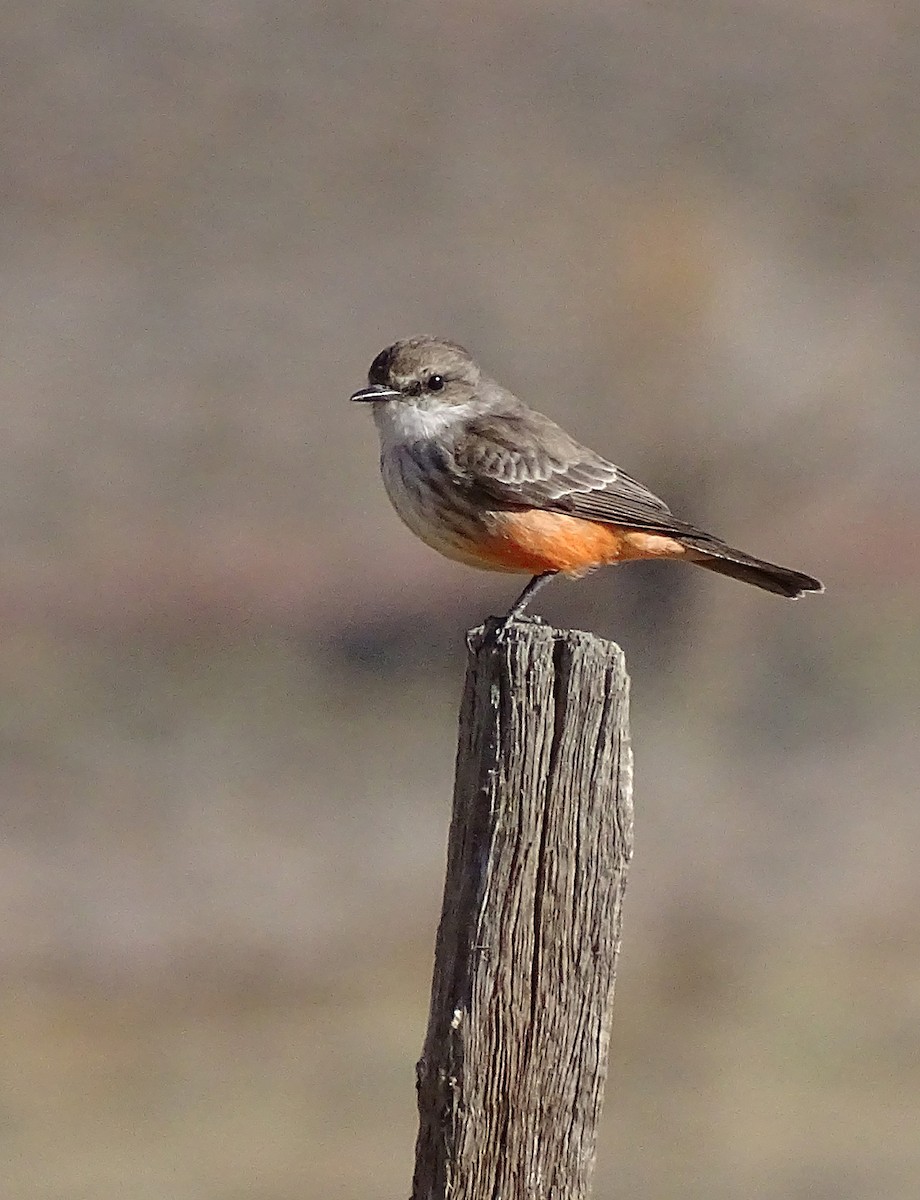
column 398, row 422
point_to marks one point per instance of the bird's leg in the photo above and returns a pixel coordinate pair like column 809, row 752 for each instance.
column 517, row 608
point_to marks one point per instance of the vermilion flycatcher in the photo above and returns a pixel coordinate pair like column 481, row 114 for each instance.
column 484, row 479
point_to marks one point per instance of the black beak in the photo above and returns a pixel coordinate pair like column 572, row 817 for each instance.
column 376, row 391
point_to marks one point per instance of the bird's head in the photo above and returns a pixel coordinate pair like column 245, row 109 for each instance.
column 427, row 373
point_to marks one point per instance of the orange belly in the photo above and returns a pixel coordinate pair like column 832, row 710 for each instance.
column 537, row 541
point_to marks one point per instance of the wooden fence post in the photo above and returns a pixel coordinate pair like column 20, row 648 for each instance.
column 511, row 1079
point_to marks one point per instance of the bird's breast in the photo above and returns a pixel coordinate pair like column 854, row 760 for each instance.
column 429, row 499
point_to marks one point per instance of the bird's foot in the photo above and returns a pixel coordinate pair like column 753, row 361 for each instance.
column 499, row 627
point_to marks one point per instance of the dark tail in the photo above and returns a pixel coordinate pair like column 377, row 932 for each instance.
column 715, row 556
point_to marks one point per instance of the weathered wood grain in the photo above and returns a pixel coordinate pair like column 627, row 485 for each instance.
column 511, row 1079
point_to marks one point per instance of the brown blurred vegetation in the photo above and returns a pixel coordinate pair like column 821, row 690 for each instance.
column 686, row 229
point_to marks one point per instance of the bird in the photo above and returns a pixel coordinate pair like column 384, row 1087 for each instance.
column 486, row 480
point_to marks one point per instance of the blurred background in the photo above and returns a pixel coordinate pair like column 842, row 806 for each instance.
column 687, row 230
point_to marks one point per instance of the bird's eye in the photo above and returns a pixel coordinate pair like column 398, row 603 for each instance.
column 435, row 383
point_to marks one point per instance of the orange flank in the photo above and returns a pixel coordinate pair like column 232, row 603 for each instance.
column 538, row 541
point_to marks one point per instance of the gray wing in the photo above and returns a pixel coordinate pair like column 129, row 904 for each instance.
column 524, row 460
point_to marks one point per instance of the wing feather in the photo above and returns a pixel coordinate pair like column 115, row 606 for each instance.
column 524, row 460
